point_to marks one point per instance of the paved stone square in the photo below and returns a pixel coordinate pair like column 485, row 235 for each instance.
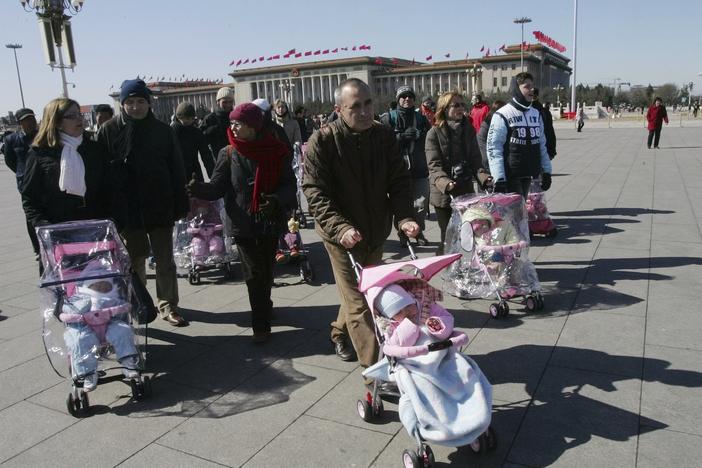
column 609, row 374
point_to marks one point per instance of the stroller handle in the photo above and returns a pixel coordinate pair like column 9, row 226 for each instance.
column 357, row 267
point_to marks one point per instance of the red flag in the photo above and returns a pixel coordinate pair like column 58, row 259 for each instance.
column 487, row 54
column 325, row 51
column 413, row 62
column 260, row 59
column 447, row 55
column 238, row 62
column 353, row 48
column 309, row 52
column 245, row 62
column 503, row 47
column 364, row 47
column 317, row 52
column 335, row 51
column 482, row 48
column 298, row 55
column 276, row 57
column 428, row 58
column 270, row 58
column 344, row 48
column 291, row 51
column 394, row 61
column 466, row 55
column 253, row 61
column 286, row 55
column 232, row 62
column 378, row 61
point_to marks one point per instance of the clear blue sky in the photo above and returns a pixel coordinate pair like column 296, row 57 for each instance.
column 635, row 40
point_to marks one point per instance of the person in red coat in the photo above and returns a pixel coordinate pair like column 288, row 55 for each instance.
column 478, row 112
column 656, row 115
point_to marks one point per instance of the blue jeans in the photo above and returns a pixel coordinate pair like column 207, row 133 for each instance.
column 83, row 344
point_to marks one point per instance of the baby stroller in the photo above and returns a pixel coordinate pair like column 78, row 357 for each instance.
column 540, row 222
column 425, row 370
column 199, row 243
column 492, row 232
column 298, row 164
column 93, row 321
column 291, row 249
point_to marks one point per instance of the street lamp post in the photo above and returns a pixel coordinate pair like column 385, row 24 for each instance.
column 286, row 88
column 55, row 26
column 558, row 89
column 14, row 48
column 475, row 71
column 521, row 22
column 573, row 105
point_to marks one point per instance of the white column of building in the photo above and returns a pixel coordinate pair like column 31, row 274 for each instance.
column 314, row 95
column 431, row 83
column 331, row 89
column 302, row 88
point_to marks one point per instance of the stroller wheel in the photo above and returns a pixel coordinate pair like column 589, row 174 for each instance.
column 427, row 456
column 137, row 392
column 365, row 411
column 306, row 272
column 480, row 445
column 194, row 278
column 495, row 310
column 147, row 386
column 378, row 408
column 531, row 303
column 552, row 233
column 73, row 405
column 504, row 309
column 539, row 301
column 411, row 460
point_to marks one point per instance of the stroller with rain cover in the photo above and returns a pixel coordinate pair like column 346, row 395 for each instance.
column 491, row 230
column 444, row 397
column 540, row 222
column 93, row 319
column 199, row 243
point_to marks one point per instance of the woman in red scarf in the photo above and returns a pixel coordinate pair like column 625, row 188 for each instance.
column 656, row 115
column 254, row 174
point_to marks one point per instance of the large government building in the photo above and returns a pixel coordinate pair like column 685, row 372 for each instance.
column 304, row 83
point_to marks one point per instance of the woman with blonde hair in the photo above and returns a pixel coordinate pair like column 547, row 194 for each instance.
column 453, row 158
column 66, row 174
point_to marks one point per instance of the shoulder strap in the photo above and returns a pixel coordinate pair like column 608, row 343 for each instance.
column 392, row 115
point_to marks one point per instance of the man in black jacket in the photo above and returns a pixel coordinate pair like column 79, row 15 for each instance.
column 546, row 116
column 15, row 150
column 214, row 125
column 148, row 186
column 192, row 142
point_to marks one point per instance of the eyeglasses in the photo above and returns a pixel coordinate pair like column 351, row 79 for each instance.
column 236, row 125
column 72, row 117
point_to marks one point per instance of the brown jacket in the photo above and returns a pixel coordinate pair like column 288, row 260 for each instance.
column 441, row 159
column 356, row 180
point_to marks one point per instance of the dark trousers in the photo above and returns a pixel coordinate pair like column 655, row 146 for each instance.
column 443, row 216
column 581, row 124
column 257, row 256
column 519, row 185
column 654, row 137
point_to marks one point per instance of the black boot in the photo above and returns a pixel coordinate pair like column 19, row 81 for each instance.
column 344, row 350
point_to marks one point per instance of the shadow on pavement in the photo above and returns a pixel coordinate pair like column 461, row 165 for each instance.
column 611, row 212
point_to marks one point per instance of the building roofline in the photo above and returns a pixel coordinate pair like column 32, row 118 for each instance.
column 365, row 60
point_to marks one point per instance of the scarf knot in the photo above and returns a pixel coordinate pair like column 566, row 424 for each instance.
column 72, row 177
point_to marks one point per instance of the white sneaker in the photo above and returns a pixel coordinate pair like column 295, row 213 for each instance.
column 130, row 366
column 90, row 381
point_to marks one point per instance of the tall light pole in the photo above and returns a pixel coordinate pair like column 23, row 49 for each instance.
column 14, row 48
column 521, row 22
column 55, row 27
column 573, row 106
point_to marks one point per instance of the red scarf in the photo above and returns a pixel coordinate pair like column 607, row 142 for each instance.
column 268, row 152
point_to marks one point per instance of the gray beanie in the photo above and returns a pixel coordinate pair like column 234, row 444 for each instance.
column 224, row 93
column 185, row 109
column 405, row 90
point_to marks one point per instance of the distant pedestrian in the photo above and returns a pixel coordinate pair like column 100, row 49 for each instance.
column 215, row 124
column 483, row 133
column 478, row 112
column 580, row 118
column 655, row 116
column 192, row 142
column 516, row 147
column 103, row 113
column 15, row 150
column 428, row 109
column 148, row 193
column 281, row 116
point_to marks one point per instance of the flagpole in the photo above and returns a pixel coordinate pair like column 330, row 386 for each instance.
column 573, row 106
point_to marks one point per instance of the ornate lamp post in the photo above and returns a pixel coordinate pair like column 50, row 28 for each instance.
column 14, row 48
column 476, row 72
column 286, row 89
column 521, row 21
column 54, row 17
column 558, row 90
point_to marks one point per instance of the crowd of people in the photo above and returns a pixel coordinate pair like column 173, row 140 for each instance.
column 365, row 175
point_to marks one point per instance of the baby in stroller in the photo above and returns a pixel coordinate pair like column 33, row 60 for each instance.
column 97, row 313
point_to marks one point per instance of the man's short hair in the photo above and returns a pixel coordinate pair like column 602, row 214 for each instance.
column 523, row 76
column 104, row 108
column 352, row 82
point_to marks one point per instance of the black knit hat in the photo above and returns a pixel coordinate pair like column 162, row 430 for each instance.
column 405, row 91
column 134, row 88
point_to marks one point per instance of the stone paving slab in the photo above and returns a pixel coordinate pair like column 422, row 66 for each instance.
column 607, row 374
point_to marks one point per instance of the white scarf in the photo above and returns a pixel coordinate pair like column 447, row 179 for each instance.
column 72, row 178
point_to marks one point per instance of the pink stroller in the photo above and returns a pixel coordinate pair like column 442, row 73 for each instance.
column 540, row 222
column 406, row 365
column 92, row 320
column 492, row 232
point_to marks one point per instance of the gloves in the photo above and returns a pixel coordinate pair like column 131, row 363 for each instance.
column 410, row 134
column 500, row 186
column 269, row 206
column 545, row 181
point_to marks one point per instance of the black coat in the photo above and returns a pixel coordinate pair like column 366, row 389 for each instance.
column 15, row 149
column 232, row 179
column 146, row 170
column 214, row 127
column 45, row 203
column 549, row 132
column 192, row 142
